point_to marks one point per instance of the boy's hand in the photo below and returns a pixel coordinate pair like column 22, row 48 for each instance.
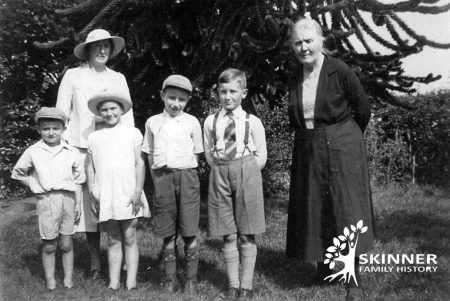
column 135, row 201
column 77, row 213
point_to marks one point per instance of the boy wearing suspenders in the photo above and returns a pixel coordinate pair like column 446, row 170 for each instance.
column 235, row 149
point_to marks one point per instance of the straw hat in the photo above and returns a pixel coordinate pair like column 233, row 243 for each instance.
column 121, row 96
column 80, row 50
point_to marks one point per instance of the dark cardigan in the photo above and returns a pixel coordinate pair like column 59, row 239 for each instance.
column 339, row 96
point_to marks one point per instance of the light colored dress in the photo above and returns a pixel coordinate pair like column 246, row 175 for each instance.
column 75, row 90
column 112, row 151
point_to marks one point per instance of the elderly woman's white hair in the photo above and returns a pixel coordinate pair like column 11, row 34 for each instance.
column 304, row 23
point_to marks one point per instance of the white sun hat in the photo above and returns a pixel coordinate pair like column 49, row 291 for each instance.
column 111, row 94
column 80, row 50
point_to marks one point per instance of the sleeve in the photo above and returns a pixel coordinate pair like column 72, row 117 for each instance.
column 79, row 175
column 197, row 137
column 259, row 140
column 358, row 99
column 207, row 139
column 137, row 137
column 148, row 141
column 65, row 93
column 23, row 166
column 89, row 149
column 128, row 118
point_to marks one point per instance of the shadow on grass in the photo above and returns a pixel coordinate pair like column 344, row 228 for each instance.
column 288, row 273
column 430, row 232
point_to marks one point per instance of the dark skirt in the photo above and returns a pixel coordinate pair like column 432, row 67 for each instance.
column 329, row 190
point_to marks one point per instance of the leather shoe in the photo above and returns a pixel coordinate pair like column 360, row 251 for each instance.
column 231, row 294
column 190, row 287
column 245, row 294
column 170, row 285
column 354, row 294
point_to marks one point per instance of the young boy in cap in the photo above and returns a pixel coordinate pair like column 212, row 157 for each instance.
column 235, row 149
column 54, row 172
column 172, row 141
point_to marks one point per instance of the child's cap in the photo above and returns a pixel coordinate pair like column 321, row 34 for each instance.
column 117, row 95
column 177, row 81
column 50, row 113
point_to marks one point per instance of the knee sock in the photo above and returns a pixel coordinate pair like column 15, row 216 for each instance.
column 170, row 263
column 191, row 256
column 248, row 265
column 231, row 257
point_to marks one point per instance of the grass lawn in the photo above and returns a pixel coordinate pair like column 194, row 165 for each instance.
column 409, row 220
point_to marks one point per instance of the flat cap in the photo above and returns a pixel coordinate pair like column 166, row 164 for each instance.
column 177, row 81
column 50, row 113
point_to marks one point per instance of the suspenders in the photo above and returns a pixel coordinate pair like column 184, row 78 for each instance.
column 247, row 132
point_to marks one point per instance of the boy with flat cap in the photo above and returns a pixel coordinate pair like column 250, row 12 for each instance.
column 54, row 172
column 173, row 140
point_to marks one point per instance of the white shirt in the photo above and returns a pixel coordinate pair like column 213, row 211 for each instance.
column 256, row 138
column 50, row 168
column 77, row 87
column 173, row 141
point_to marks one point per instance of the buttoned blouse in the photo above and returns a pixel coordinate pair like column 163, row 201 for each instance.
column 173, row 141
column 76, row 88
column 50, row 168
column 256, row 139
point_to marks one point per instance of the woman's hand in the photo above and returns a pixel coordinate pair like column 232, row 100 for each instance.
column 95, row 200
column 135, row 201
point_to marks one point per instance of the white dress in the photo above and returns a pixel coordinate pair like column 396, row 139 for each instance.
column 112, row 151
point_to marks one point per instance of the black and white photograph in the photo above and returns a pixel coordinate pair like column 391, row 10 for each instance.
column 225, row 150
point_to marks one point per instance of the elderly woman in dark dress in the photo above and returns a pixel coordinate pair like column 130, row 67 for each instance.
column 329, row 178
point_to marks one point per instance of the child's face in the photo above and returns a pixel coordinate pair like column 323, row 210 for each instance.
column 110, row 111
column 175, row 100
column 51, row 131
column 231, row 95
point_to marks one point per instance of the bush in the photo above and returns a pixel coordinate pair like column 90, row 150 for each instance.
column 411, row 145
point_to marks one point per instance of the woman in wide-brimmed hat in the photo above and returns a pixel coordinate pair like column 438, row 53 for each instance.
column 76, row 88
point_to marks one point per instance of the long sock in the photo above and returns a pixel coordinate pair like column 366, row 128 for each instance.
column 231, row 257
column 191, row 263
column 248, row 265
column 170, row 263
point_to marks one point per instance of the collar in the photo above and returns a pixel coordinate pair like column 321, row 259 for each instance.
column 166, row 115
column 330, row 64
column 238, row 112
column 63, row 144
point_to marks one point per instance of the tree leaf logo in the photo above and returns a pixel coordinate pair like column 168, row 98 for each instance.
column 335, row 253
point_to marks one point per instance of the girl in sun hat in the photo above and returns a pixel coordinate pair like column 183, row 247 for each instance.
column 76, row 88
column 115, row 176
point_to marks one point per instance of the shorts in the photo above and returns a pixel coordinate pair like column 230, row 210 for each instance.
column 56, row 213
column 235, row 198
column 177, row 202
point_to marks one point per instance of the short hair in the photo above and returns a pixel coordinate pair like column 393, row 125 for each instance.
column 310, row 24
column 232, row 74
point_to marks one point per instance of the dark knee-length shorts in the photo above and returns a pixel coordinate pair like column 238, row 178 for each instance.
column 177, row 202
